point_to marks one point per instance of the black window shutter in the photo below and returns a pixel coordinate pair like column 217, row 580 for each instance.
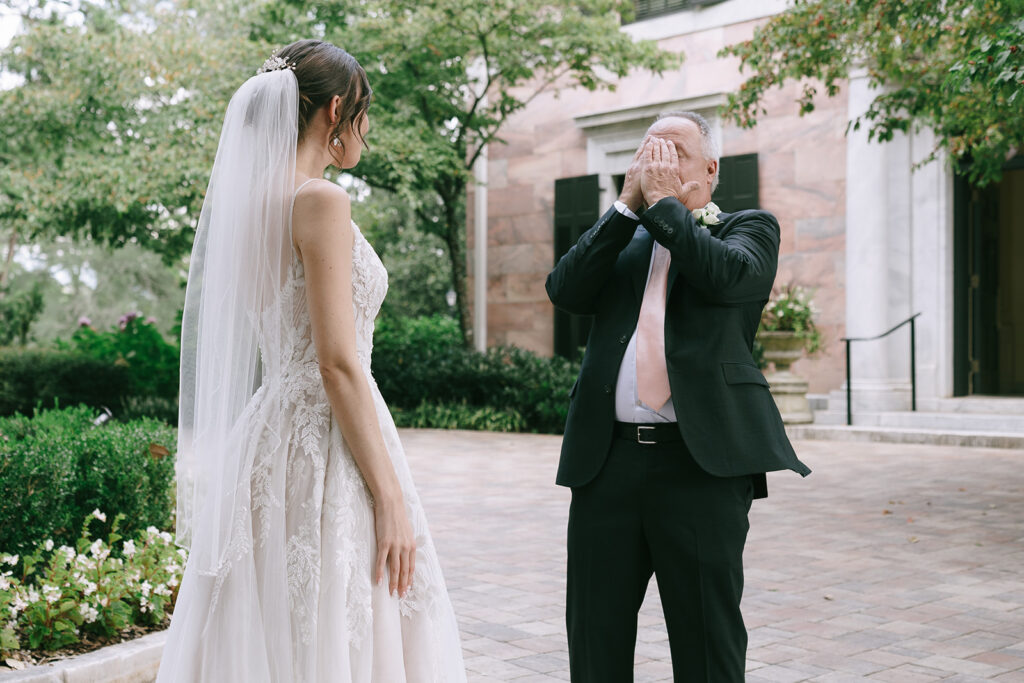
column 576, row 210
column 737, row 184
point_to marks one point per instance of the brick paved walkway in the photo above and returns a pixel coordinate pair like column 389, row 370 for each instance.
column 889, row 563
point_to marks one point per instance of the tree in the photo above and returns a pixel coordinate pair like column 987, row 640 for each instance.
column 956, row 66
column 447, row 74
column 112, row 131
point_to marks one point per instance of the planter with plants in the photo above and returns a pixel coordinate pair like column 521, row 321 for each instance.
column 788, row 333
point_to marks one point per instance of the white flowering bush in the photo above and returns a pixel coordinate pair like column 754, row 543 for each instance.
column 54, row 596
column 792, row 310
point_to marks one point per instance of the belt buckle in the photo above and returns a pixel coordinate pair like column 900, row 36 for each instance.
column 640, row 439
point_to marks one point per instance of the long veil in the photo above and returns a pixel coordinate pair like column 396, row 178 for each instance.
column 231, row 334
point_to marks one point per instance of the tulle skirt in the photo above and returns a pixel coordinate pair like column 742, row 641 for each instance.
column 294, row 600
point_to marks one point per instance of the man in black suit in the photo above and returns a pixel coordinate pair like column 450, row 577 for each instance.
column 671, row 425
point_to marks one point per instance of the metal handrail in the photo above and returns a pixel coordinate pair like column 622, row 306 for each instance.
column 913, row 365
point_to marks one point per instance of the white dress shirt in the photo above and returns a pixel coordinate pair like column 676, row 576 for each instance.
column 628, row 406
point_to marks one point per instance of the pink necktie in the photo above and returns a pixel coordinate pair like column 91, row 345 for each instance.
column 651, row 372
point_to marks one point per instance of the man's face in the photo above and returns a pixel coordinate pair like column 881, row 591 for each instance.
column 685, row 135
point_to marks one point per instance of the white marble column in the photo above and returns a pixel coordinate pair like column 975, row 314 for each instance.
column 932, row 206
column 879, row 265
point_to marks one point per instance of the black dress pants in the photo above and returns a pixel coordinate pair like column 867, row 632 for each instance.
column 652, row 509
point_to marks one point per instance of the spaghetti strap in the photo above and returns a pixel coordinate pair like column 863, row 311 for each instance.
column 291, row 237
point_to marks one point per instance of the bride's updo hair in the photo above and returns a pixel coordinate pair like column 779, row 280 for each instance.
column 324, row 70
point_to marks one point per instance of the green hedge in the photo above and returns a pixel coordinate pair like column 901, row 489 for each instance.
column 420, row 362
column 30, row 379
column 57, row 467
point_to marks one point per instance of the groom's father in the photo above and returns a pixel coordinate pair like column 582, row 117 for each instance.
column 671, row 426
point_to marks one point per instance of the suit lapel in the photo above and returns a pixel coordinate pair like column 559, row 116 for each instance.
column 638, row 260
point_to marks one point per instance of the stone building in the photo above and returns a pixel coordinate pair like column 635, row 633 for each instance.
column 875, row 237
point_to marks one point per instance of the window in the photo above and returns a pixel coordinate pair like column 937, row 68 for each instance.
column 653, row 8
column 737, row 183
column 576, row 210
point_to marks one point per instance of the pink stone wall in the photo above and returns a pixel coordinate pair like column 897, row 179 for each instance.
column 802, row 165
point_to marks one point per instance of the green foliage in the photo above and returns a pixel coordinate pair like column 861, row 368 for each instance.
column 112, row 129
column 57, row 466
column 447, row 74
column 791, row 310
column 422, row 361
column 87, row 587
column 955, row 66
column 18, row 312
column 136, row 344
column 419, row 271
column 97, row 282
column 44, row 378
column 459, row 416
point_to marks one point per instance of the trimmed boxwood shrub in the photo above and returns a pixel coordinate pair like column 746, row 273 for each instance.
column 422, row 361
column 57, row 466
column 44, row 378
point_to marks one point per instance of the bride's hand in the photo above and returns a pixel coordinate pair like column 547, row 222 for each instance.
column 396, row 546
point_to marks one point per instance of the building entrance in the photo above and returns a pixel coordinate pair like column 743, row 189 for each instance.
column 989, row 286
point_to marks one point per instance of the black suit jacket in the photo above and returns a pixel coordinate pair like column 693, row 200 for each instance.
column 718, row 283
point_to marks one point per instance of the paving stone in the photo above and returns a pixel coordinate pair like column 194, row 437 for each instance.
column 891, row 562
column 836, row 590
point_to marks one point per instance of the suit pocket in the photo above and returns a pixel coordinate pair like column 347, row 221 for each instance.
column 743, row 373
column 572, row 392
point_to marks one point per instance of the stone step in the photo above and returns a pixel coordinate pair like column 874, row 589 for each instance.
column 964, row 422
column 987, row 405
column 943, row 437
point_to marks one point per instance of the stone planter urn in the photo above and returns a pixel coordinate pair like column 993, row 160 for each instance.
column 783, row 348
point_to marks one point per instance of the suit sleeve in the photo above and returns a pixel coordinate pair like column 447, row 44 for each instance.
column 738, row 268
column 577, row 279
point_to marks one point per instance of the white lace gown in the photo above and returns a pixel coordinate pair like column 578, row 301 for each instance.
column 296, row 601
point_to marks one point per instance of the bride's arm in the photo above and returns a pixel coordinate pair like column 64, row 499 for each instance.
column 322, row 232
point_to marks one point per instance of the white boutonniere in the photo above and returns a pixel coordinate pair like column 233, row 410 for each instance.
column 708, row 215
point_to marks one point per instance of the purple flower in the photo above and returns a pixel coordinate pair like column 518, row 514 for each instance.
column 151, row 320
column 84, row 322
column 123, row 321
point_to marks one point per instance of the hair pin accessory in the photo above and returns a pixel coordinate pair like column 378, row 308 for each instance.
column 275, row 63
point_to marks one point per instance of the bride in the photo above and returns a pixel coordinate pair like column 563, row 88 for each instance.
column 309, row 554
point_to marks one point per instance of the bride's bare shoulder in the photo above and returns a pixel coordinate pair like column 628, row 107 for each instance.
column 321, row 217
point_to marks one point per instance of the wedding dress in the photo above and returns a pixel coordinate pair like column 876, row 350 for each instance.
column 295, row 599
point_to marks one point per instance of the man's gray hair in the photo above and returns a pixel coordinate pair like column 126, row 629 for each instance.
column 709, row 145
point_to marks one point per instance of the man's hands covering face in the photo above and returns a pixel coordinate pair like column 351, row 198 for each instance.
column 659, row 177
column 632, row 196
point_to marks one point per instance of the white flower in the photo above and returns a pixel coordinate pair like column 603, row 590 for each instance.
column 69, row 552
column 12, row 624
column 19, row 603
column 129, row 548
column 52, row 594
column 88, row 587
column 9, row 559
column 88, row 612
column 104, row 601
column 32, row 596
column 99, row 515
column 152, row 531
column 4, row 583
column 183, row 553
column 165, row 537
column 162, row 589
column 48, row 545
column 146, row 587
column 707, row 215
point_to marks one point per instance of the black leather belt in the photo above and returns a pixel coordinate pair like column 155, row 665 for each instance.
column 661, row 432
